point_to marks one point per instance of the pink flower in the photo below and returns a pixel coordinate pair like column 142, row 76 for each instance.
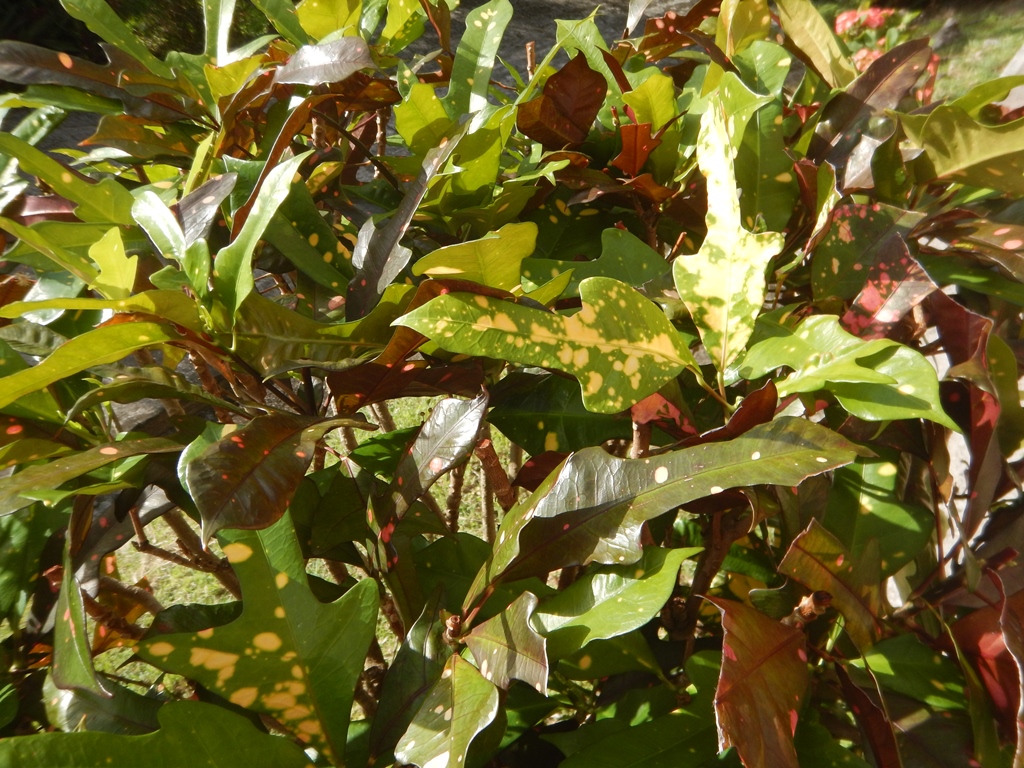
column 846, row 20
column 862, row 59
column 874, row 18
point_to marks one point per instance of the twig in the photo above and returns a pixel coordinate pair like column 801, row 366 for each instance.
column 111, row 620
column 454, row 500
column 141, row 596
column 384, row 417
column 496, row 476
column 487, row 505
column 377, row 164
column 515, row 460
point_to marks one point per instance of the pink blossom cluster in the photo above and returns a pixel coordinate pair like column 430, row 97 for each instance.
column 872, row 18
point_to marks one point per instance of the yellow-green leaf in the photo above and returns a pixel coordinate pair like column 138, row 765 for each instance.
column 493, row 260
column 117, row 269
column 321, row 17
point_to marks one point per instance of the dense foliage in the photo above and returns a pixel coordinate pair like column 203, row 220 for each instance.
column 703, row 281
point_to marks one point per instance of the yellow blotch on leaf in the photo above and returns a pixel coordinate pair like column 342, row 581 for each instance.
column 236, row 552
column 243, row 697
column 267, row 641
column 161, row 649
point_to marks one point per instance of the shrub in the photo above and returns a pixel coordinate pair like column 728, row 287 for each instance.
column 703, row 281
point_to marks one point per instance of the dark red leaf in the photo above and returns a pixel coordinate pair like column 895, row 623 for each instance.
column 763, row 680
column 757, row 408
column 562, row 115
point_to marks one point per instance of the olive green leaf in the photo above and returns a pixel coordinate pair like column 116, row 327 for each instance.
column 507, row 646
column 620, row 346
column 723, row 284
column 879, row 380
column 287, row 655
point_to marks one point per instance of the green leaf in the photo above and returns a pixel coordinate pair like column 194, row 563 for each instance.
column 545, row 413
column 765, row 172
column 72, row 655
column 610, row 601
column 125, row 713
column 474, row 58
column 820, row 562
column 507, row 647
column 864, row 507
column 879, row 380
column 172, row 305
column 282, row 14
column 104, row 200
column 637, row 349
column 191, row 733
column 624, row 256
column 960, row 149
column 723, row 284
column 592, row 507
column 421, row 119
column 59, row 471
column 22, row 538
column 246, row 479
column 813, row 37
column 404, row 25
column 417, row 665
column 653, row 101
column 102, row 20
column 288, row 655
column 106, row 344
column 763, row 681
column 906, row 665
column 322, row 17
column 492, row 260
column 459, row 706
column 741, row 23
column 232, row 268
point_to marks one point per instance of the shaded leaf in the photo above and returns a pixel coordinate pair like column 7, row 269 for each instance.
column 288, row 655
column 507, row 647
column 103, row 21
column 763, row 681
column 457, row 708
column 326, row 63
column 906, row 665
column 72, row 656
column 723, row 284
column 820, row 562
column 639, row 348
column 246, row 479
column 124, row 713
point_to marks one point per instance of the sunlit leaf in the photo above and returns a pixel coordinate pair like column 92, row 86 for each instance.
column 474, row 58
column 493, row 260
column 813, row 38
column 326, row 63
column 507, row 647
column 322, row 17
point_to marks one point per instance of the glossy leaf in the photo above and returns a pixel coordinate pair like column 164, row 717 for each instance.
column 591, row 508
column 457, row 708
column 493, row 260
column 878, row 380
column 820, row 562
column 191, row 732
column 125, row 713
column 763, row 681
column 474, row 58
column 813, row 37
column 506, row 647
column 283, row 15
column 171, row 305
column 59, row 471
column 247, row 478
column 417, row 666
column 610, row 601
column 639, row 348
column 287, row 655
column 764, row 171
column 723, row 284
column 102, row 20
column 326, row 63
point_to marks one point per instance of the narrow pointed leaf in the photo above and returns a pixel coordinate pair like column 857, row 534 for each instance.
column 636, row 348
column 592, row 507
column 762, row 684
column 459, row 706
column 474, row 58
column 813, row 38
column 287, row 655
column 101, row 19
column 506, row 647
column 723, row 284
column 72, row 657
column 247, row 478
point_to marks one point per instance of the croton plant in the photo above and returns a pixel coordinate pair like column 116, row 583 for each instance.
column 728, row 331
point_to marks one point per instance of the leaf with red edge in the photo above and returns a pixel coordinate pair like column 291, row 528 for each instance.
column 507, row 647
column 896, row 284
column 756, row 408
column 819, row 561
column 637, row 145
column 562, row 115
column 881, row 87
column 1011, row 623
column 763, row 680
column 247, row 478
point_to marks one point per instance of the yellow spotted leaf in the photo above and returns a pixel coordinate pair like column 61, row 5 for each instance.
column 723, row 284
column 287, row 655
column 620, row 346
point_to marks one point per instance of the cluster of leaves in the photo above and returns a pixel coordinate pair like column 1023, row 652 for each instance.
column 702, row 278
